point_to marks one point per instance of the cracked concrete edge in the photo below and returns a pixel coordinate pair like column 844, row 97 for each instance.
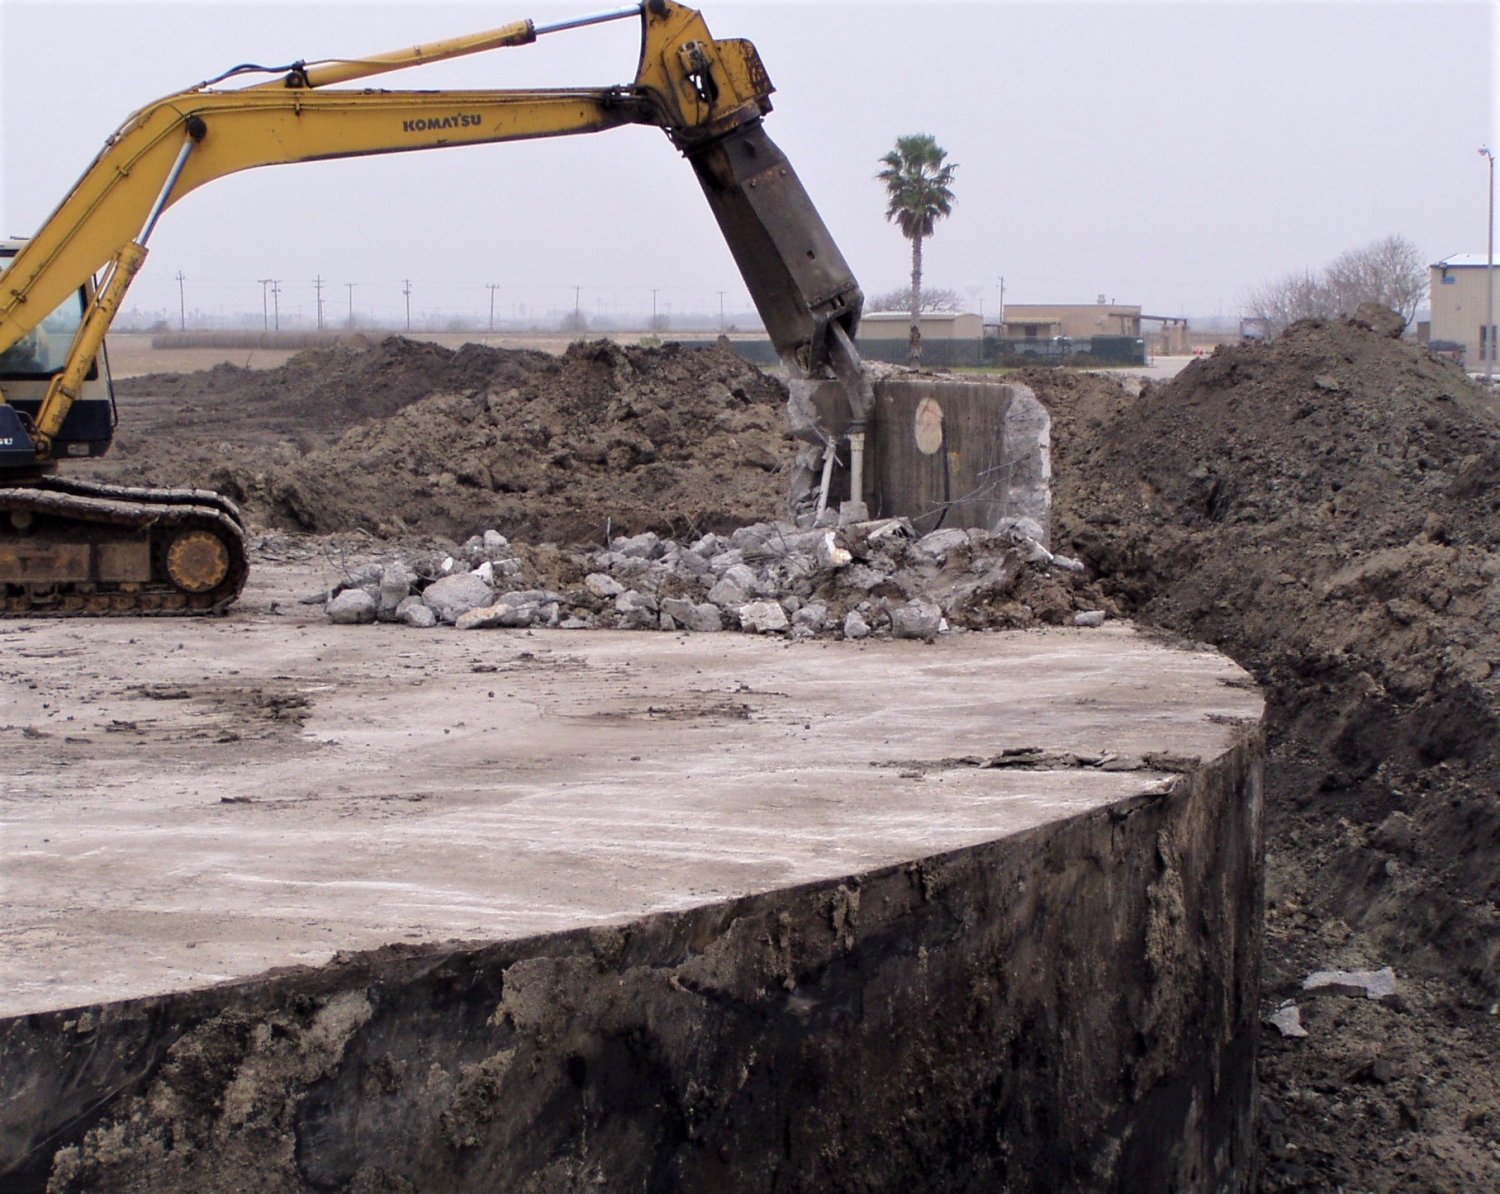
column 1069, row 1007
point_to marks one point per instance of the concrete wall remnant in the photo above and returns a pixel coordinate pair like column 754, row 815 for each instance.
column 945, row 454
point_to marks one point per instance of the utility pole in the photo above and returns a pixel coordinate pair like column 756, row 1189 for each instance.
column 577, row 311
column 276, row 302
column 318, row 286
column 653, row 310
column 1002, row 307
column 1488, row 339
column 406, row 290
column 721, row 312
column 265, row 304
column 493, row 286
column 350, row 287
column 181, row 304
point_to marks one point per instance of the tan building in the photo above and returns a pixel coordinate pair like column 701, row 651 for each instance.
column 1078, row 321
column 1458, row 305
column 936, row 325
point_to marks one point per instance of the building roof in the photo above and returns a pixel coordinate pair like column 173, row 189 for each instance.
column 893, row 316
column 1461, row 261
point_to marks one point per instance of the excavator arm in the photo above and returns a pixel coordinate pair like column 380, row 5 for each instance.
column 709, row 96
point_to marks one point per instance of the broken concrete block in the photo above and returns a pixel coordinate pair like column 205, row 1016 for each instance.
column 495, row 541
column 727, row 595
column 395, row 587
column 417, row 615
column 454, row 595
column 523, row 613
column 811, row 616
column 645, row 546
column 486, row 572
column 855, row 626
column 406, row 606
column 704, row 618
column 350, row 607
column 483, row 618
column 601, row 584
column 535, row 596
column 679, row 609
column 1287, row 1020
column 691, row 563
column 751, row 537
column 1372, row 984
column 743, row 577
column 863, row 577
column 936, row 545
column 630, row 601
column 725, row 560
column 762, row 617
column 830, row 554
column 916, row 619
column 1089, row 617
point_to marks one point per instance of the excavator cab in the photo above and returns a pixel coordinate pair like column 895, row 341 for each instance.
column 28, row 367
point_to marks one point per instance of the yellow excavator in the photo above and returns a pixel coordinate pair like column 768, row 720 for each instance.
column 72, row 547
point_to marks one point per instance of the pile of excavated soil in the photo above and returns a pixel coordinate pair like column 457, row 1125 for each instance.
column 415, row 438
column 1323, row 508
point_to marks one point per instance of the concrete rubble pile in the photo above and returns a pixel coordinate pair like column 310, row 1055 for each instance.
column 868, row 578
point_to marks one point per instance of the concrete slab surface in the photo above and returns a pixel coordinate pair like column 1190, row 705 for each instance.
column 190, row 801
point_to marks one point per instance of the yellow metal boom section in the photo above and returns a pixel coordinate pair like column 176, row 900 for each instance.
column 690, row 85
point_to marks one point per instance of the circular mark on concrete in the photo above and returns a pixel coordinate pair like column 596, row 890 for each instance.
column 928, row 426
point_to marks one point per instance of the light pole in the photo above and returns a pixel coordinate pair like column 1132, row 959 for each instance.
column 1487, row 342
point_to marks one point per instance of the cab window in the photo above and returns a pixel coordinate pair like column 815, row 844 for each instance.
column 44, row 350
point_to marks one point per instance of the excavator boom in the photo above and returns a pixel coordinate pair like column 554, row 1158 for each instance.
column 708, row 96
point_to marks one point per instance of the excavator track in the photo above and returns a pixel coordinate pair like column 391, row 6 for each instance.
column 74, row 548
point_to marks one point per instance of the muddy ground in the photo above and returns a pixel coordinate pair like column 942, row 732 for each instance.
column 1322, row 508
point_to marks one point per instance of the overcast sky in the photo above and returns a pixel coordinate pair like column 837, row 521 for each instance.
column 1167, row 154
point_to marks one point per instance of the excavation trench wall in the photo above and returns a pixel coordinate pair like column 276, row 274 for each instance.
column 1069, row 1008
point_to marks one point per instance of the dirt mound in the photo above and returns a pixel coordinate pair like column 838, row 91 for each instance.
column 1323, row 508
column 327, row 389
column 441, row 442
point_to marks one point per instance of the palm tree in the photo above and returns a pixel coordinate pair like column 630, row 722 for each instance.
column 918, row 182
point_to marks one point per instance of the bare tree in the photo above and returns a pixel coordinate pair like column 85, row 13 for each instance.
column 1277, row 305
column 1390, row 272
column 932, row 300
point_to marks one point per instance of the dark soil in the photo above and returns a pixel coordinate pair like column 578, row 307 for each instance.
column 1323, row 508
column 411, row 437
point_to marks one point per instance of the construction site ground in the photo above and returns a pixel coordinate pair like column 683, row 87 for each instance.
column 1321, row 508
column 195, row 801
